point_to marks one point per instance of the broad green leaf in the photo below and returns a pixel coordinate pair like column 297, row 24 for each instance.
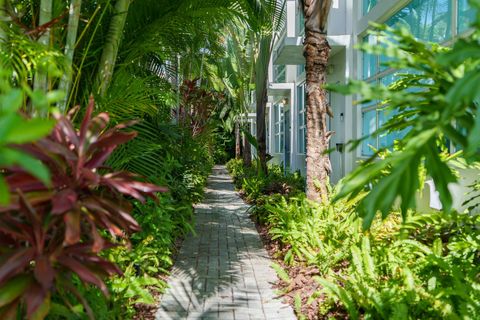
column 437, row 247
column 28, row 131
column 33, row 166
column 11, row 101
column 462, row 50
column 13, row 289
column 39, row 100
column 474, row 137
column 55, row 96
column 465, row 89
column 4, row 193
column 7, row 123
column 43, row 310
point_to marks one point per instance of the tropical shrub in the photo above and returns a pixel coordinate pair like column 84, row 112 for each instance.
column 432, row 273
column 51, row 233
column 435, row 100
column 151, row 254
column 15, row 128
column 312, row 232
column 424, row 266
column 255, row 185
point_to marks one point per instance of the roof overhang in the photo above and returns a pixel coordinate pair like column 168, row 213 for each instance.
column 290, row 49
column 280, row 89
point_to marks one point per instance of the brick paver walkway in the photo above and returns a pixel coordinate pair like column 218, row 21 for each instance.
column 223, row 272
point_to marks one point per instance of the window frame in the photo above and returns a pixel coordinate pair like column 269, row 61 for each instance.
column 301, row 114
column 380, row 74
column 278, row 128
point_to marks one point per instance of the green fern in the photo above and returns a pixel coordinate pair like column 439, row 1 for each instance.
column 282, row 274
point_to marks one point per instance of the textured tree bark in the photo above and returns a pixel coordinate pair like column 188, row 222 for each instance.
column 2, row 22
column 238, row 141
column 112, row 44
column 41, row 77
column 261, row 132
column 247, row 148
column 317, row 52
column 74, row 18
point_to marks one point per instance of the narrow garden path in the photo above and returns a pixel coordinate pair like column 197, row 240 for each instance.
column 223, row 272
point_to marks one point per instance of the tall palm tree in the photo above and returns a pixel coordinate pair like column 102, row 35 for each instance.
column 317, row 52
column 112, row 44
column 270, row 22
column 247, row 147
column 46, row 7
column 72, row 31
column 2, row 18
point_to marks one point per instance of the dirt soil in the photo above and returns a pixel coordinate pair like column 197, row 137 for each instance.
column 302, row 283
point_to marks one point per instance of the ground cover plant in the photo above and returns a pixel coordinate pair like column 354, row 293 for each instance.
column 426, row 267
column 338, row 258
column 55, row 55
column 52, row 231
column 95, row 198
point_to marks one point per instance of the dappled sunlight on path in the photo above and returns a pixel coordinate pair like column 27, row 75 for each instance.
column 222, row 272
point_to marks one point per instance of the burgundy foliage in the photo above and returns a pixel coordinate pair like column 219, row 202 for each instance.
column 197, row 106
column 49, row 233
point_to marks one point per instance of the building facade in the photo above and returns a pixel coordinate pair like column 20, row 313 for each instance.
column 438, row 21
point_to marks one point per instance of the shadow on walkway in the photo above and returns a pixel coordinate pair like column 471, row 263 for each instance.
column 222, row 272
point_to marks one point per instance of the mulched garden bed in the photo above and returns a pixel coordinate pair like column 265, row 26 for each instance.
column 302, row 281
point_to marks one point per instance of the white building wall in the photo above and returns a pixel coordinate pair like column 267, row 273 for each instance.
column 347, row 27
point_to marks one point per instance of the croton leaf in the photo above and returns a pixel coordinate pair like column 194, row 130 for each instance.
column 35, row 297
column 13, row 289
column 44, row 272
column 4, row 194
column 83, row 272
column 72, row 227
column 15, row 263
column 86, row 122
column 43, row 310
column 9, row 312
column 64, row 201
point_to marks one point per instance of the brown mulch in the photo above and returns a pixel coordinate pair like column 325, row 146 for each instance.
column 301, row 284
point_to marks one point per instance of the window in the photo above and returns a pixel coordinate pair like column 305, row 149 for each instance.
column 466, row 15
column 428, row 20
column 279, row 73
column 369, row 126
column 279, row 132
column 300, row 22
column 374, row 116
column 302, row 128
column 369, row 61
column 368, row 5
column 300, row 70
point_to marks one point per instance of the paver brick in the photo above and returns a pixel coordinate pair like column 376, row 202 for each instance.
column 223, row 272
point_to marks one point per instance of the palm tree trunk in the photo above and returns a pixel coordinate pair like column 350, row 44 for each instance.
column 261, row 84
column 247, row 148
column 41, row 77
column 317, row 52
column 2, row 21
column 66, row 83
column 261, row 130
column 110, row 49
column 238, row 141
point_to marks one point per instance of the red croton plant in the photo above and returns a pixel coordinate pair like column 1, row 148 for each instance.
column 50, row 233
column 197, row 106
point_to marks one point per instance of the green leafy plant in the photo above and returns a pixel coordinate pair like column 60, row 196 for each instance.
column 15, row 128
column 431, row 273
column 436, row 100
column 51, row 232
